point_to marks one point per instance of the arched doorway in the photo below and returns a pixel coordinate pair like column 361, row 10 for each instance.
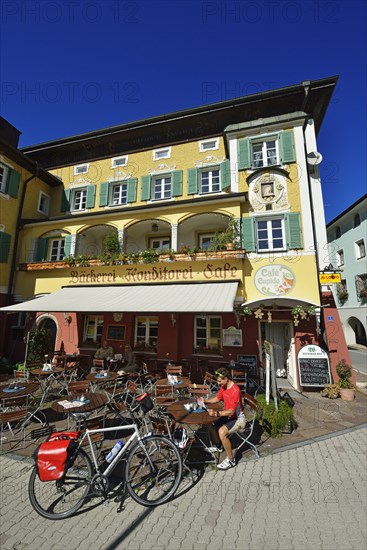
column 51, row 327
column 355, row 333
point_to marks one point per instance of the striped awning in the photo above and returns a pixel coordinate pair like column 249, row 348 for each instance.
column 194, row 297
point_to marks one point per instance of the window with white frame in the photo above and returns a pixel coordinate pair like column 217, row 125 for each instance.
column 4, row 171
column 162, row 243
column 162, row 188
column 146, row 332
column 93, row 328
column 360, row 249
column 205, row 240
column 43, row 203
column 119, row 194
column 164, row 153
column 340, row 257
column 81, row 169
column 57, row 249
column 78, row 199
column 119, row 161
column 270, row 234
column 209, row 145
column 210, row 180
column 265, row 153
column 208, row 333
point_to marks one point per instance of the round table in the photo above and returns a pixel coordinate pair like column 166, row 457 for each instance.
column 183, row 382
column 96, row 400
column 43, row 373
column 97, row 379
column 180, row 414
column 26, row 389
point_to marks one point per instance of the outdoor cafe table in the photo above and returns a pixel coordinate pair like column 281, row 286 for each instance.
column 95, row 400
column 182, row 382
column 180, row 414
column 25, row 388
column 191, row 418
column 97, row 378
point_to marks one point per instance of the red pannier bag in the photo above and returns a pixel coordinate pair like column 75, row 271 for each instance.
column 53, row 456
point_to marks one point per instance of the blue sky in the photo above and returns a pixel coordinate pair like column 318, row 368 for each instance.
column 73, row 66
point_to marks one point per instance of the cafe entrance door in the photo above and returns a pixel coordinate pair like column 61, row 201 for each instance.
column 280, row 335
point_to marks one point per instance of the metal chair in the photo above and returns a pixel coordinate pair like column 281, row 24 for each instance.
column 244, row 433
column 13, row 414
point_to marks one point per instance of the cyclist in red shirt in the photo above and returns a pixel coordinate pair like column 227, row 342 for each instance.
column 233, row 409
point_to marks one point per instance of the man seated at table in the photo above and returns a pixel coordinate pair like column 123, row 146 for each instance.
column 233, row 410
column 129, row 361
column 104, row 351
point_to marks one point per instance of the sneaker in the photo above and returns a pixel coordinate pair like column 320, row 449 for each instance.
column 226, row 464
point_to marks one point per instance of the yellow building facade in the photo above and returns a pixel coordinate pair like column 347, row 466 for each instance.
column 125, row 215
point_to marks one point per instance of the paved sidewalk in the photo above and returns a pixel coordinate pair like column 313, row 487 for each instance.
column 310, row 497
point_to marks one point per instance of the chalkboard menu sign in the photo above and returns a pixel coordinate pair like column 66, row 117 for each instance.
column 313, row 367
column 248, row 363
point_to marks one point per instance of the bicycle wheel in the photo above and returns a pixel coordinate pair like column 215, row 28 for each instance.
column 61, row 499
column 153, row 470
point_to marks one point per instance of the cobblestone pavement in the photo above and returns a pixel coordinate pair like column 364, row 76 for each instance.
column 309, row 497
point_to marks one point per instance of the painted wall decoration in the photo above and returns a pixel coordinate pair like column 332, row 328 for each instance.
column 274, row 280
column 232, row 336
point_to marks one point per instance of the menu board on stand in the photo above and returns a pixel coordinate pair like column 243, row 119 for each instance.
column 313, row 366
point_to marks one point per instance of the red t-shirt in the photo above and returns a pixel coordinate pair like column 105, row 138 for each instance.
column 231, row 398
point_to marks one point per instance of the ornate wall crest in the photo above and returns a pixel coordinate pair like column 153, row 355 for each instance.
column 268, row 192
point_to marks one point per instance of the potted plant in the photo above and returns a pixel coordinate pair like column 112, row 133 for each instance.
column 332, row 391
column 344, row 371
column 231, row 234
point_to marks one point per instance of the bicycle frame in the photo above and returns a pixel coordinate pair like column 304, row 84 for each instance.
column 134, row 437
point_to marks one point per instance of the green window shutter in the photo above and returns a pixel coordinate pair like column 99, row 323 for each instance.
column 65, row 200
column 132, row 184
column 91, row 196
column 192, row 181
column 244, row 154
column 4, row 246
column 41, row 250
column 67, row 246
column 145, row 188
column 225, row 174
column 103, row 194
column 293, row 230
column 248, row 235
column 177, row 177
column 13, row 183
column 286, row 147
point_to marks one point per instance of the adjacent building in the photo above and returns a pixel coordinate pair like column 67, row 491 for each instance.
column 129, row 243
column 347, row 248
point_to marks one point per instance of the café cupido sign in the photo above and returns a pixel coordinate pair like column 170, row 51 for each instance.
column 274, row 280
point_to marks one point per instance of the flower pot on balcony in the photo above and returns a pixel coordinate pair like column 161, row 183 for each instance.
column 347, row 394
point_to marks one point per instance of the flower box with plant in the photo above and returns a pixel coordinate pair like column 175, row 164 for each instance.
column 275, row 422
column 342, row 293
column 149, row 256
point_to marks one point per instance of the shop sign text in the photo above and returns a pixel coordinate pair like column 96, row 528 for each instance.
column 274, row 280
column 153, row 274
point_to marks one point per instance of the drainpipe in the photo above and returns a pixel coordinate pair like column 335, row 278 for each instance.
column 18, row 228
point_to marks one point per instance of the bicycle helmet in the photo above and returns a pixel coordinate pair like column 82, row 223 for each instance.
column 180, row 438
